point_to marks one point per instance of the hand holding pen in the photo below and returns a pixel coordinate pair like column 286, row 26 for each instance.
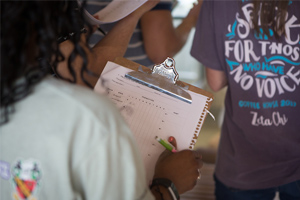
column 182, row 167
column 167, row 145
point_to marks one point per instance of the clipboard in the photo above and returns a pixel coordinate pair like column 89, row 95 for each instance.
column 136, row 67
column 163, row 78
column 151, row 112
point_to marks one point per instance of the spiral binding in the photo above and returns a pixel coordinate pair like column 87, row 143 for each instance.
column 200, row 122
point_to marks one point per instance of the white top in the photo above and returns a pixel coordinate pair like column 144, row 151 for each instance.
column 66, row 142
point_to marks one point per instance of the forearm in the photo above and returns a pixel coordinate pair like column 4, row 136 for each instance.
column 114, row 44
column 159, row 35
column 182, row 33
column 174, row 39
column 161, row 39
column 215, row 79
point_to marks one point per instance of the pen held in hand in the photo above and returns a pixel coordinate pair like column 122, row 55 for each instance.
column 165, row 144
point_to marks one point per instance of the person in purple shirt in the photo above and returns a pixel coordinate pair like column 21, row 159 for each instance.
column 253, row 49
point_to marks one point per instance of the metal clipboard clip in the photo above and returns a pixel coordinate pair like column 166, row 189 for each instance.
column 163, row 77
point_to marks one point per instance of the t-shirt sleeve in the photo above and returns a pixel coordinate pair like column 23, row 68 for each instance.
column 204, row 47
column 106, row 160
column 113, row 170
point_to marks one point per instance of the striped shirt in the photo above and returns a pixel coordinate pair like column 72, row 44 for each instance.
column 135, row 50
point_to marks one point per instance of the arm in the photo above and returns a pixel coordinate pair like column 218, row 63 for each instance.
column 182, row 168
column 216, row 79
column 160, row 37
column 113, row 45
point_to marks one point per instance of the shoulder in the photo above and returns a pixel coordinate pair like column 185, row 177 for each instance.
column 83, row 99
column 75, row 92
column 91, row 113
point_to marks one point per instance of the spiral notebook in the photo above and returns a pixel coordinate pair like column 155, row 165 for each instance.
column 151, row 112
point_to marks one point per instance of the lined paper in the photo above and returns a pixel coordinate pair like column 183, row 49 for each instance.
column 150, row 113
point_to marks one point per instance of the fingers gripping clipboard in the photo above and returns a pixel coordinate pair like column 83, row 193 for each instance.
column 151, row 108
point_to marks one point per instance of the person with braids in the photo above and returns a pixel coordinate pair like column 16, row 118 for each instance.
column 59, row 140
column 252, row 47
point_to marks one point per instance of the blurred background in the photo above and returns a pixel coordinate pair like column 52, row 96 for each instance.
column 193, row 72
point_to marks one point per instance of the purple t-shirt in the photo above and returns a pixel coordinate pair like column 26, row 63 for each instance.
column 260, row 139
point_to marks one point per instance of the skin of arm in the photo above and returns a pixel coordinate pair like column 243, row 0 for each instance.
column 161, row 39
column 215, row 79
column 113, row 45
column 182, row 168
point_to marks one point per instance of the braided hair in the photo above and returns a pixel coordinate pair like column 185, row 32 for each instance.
column 29, row 45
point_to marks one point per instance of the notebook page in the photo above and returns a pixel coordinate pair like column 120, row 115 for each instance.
column 150, row 113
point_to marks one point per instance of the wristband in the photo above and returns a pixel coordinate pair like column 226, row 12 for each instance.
column 168, row 184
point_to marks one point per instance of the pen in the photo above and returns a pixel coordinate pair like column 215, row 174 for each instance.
column 165, row 144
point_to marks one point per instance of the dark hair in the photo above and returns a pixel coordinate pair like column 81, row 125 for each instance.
column 29, row 45
column 267, row 11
